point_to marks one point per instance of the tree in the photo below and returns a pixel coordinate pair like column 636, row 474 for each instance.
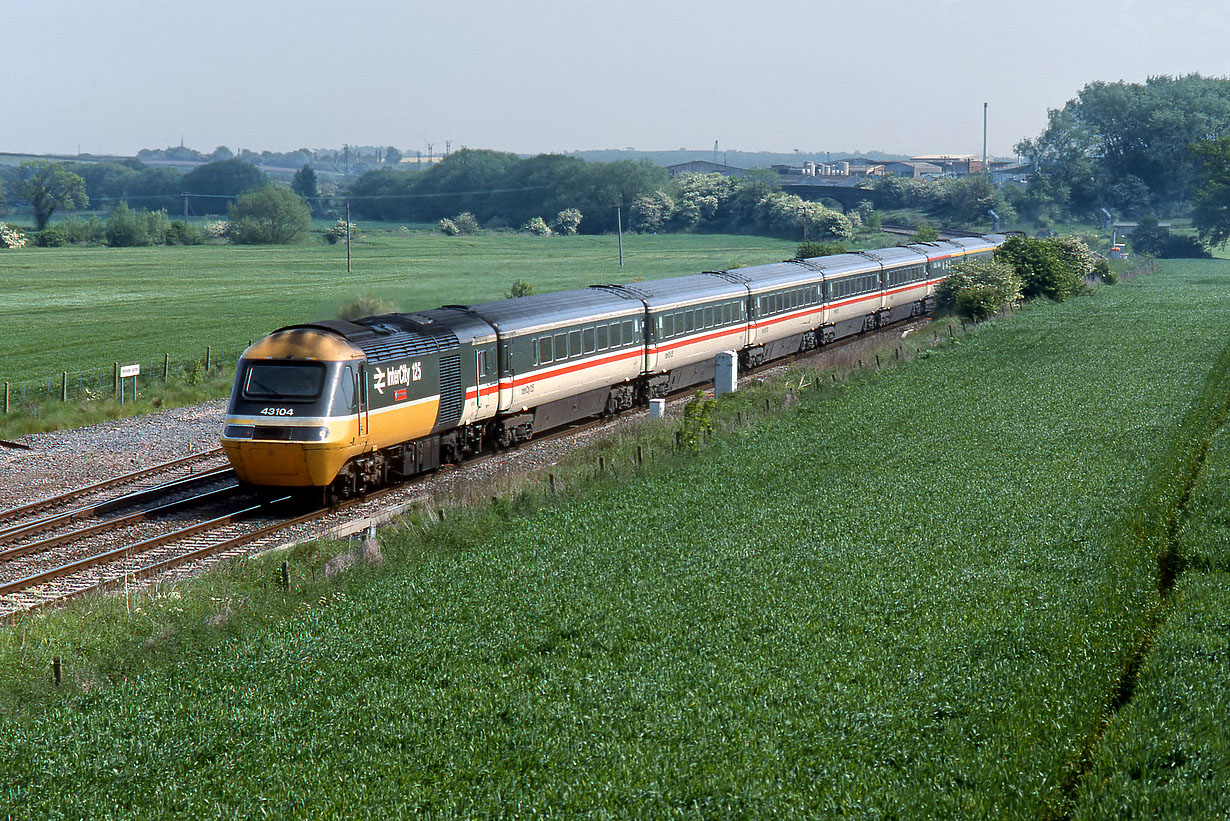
column 272, row 215
column 651, row 211
column 1126, row 145
column 220, row 181
column 1149, row 237
column 1211, row 204
column 304, row 184
column 47, row 187
column 392, row 156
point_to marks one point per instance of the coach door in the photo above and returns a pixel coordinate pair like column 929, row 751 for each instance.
column 486, row 380
column 364, row 418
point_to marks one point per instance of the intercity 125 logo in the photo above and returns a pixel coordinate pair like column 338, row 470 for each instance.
column 403, row 374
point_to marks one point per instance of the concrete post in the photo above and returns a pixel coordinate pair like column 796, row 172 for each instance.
column 726, row 373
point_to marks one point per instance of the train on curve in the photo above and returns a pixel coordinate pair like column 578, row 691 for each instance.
column 345, row 406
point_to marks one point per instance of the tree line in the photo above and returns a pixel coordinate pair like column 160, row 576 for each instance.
column 491, row 188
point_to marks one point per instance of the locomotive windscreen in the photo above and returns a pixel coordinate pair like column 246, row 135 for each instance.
column 298, row 381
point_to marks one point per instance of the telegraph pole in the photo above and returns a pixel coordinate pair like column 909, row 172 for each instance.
column 348, row 236
column 619, row 225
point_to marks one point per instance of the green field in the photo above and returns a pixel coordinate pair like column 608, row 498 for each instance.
column 76, row 309
column 917, row 598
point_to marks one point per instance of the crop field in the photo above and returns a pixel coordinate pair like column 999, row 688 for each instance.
column 1168, row 754
column 919, row 598
column 72, row 309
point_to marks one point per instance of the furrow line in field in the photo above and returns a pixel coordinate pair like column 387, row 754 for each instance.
column 1189, row 455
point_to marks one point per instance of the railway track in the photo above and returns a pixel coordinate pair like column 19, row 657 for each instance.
column 137, row 480
column 150, row 527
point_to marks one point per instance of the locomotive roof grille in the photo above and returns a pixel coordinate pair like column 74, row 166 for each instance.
column 406, row 345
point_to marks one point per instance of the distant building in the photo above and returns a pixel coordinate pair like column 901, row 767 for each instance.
column 1011, row 172
column 705, row 167
column 911, row 169
column 955, row 164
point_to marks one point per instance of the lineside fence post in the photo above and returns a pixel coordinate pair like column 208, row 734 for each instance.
column 63, row 386
column 6, row 398
column 117, row 379
column 166, row 367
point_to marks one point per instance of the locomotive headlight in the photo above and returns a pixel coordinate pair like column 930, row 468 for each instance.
column 239, row 431
column 322, row 434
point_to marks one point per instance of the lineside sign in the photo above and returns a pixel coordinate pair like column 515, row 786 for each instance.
column 129, row 370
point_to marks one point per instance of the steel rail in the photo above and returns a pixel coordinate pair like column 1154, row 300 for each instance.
column 114, row 524
column 50, row 501
column 20, row 531
column 134, row 549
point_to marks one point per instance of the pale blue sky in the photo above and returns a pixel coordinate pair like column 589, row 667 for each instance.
column 910, row 78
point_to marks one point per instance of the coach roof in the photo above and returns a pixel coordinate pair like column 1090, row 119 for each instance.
column 529, row 313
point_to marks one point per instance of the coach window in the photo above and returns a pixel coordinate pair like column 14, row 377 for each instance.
column 602, row 337
column 561, row 347
column 544, row 350
column 588, row 337
column 630, row 331
column 574, row 343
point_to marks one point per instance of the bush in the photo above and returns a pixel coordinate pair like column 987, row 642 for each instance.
column 819, row 249
column 538, row 227
column 51, row 237
column 11, row 237
column 466, row 223
column 181, row 233
column 447, row 227
column 129, row 229
column 566, row 222
column 215, row 229
column 1103, row 271
column 925, row 233
column 83, row 231
column 977, row 288
column 1043, row 266
column 520, row 288
column 337, row 232
column 366, row 305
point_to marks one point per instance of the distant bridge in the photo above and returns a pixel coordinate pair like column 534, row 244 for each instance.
column 847, row 196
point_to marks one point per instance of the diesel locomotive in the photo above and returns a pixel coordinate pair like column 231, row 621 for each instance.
column 344, row 406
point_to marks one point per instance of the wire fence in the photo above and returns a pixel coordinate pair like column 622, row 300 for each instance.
column 121, row 380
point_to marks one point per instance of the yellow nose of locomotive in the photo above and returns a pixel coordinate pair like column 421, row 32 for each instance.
column 293, row 416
